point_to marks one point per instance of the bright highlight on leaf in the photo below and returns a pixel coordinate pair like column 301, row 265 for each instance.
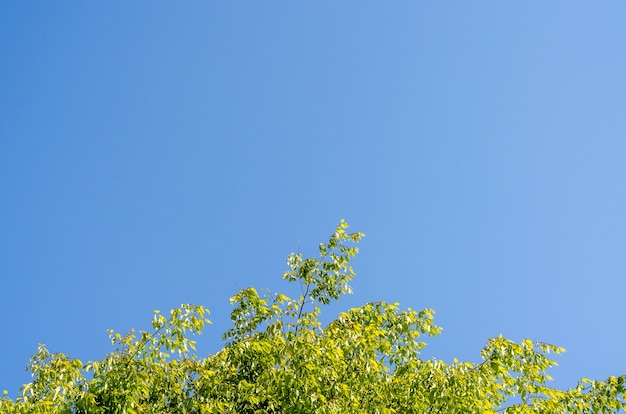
column 279, row 358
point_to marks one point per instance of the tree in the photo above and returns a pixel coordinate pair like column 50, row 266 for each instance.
column 278, row 358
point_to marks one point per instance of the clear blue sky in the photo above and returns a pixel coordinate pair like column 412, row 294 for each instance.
column 153, row 154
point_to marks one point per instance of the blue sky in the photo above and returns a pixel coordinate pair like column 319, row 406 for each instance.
column 153, row 154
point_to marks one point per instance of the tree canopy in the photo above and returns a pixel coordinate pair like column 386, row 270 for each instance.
column 278, row 358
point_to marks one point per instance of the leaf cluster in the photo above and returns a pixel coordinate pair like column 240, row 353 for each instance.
column 278, row 358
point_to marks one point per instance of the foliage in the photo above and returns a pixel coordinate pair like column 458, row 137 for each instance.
column 278, row 358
